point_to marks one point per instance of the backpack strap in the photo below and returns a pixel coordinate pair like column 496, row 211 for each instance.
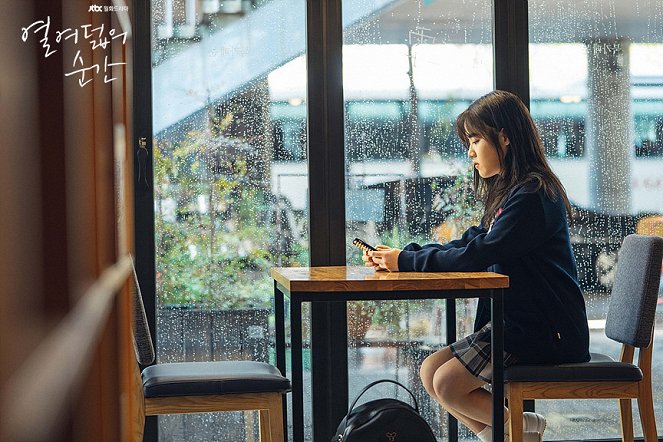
column 416, row 406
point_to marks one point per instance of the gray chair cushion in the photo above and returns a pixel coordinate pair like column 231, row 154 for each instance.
column 599, row 368
column 212, row 378
column 633, row 298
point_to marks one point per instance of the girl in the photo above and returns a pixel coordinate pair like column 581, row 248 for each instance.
column 523, row 234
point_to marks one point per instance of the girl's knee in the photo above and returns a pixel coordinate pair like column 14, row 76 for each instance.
column 426, row 372
column 430, row 366
column 450, row 383
column 443, row 386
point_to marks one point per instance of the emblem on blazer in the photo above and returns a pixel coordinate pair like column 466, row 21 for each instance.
column 391, row 436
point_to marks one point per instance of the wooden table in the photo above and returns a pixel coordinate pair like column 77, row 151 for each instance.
column 340, row 283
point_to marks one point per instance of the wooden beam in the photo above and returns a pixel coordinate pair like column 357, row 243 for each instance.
column 208, row 404
column 579, row 390
column 53, row 375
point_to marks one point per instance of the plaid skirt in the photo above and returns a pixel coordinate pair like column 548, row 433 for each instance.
column 473, row 352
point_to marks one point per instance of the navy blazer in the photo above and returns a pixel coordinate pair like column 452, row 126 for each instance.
column 544, row 311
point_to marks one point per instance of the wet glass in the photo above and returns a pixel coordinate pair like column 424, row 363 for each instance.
column 408, row 70
column 596, row 85
column 230, row 183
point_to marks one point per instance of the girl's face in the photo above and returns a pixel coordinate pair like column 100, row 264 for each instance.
column 484, row 156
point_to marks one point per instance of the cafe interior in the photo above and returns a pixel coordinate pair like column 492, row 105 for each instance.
column 188, row 187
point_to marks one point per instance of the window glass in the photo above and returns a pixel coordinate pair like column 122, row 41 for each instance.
column 408, row 70
column 596, row 84
column 230, row 183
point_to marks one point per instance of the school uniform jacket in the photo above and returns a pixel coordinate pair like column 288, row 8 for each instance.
column 544, row 311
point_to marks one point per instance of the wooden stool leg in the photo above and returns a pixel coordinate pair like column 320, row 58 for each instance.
column 271, row 420
column 515, row 398
column 626, row 417
column 645, row 400
column 265, row 430
column 276, row 418
column 647, row 417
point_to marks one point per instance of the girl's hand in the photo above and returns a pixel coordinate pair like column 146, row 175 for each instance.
column 368, row 261
column 385, row 258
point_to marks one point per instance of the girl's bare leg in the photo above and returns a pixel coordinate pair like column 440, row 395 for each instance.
column 427, row 372
column 457, row 389
column 448, row 382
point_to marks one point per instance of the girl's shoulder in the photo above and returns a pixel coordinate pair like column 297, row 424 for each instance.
column 528, row 186
column 536, row 184
column 532, row 196
column 535, row 196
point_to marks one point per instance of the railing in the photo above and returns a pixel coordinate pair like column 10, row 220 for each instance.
column 180, row 18
column 43, row 386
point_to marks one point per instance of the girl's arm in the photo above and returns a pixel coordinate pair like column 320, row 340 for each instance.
column 519, row 229
column 386, row 258
column 468, row 236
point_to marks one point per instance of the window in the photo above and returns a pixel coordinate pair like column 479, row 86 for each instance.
column 596, row 92
column 230, row 183
column 230, row 146
column 408, row 71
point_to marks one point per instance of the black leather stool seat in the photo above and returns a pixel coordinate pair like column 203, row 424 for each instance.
column 599, row 368
column 212, row 378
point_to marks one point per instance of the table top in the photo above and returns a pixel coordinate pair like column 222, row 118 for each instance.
column 365, row 279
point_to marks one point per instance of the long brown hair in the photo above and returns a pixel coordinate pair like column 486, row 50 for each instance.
column 524, row 162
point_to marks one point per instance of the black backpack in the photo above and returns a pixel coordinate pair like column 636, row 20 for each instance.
column 383, row 420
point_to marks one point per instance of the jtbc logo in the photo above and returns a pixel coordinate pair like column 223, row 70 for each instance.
column 391, row 436
column 94, row 8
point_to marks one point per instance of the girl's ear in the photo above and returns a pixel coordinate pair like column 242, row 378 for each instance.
column 504, row 140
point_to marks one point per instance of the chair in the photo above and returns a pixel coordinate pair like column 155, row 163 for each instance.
column 630, row 322
column 201, row 387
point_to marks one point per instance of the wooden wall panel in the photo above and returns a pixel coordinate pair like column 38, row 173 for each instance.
column 79, row 110
column 20, row 193
column 66, row 367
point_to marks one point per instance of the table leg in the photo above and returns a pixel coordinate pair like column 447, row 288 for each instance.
column 297, row 370
column 451, row 337
column 279, row 325
column 497, row 345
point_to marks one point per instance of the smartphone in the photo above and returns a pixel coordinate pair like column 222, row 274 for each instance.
column 363, row 245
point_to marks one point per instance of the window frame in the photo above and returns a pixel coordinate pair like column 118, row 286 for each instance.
column 326, row 156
